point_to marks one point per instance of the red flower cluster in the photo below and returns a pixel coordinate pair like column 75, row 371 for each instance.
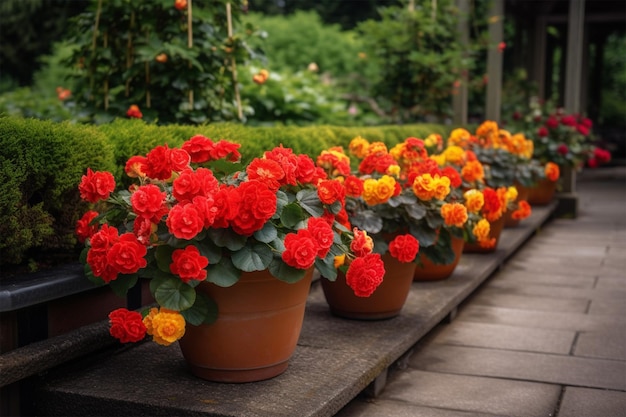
column 180, row 224
column 96, row 186
column 111, row 254
column 133, row 112
column 404, row 248
column 84, row 228
column 63, row 93
column 188, row 264
column 600, row 156
column 495, row 203
column 198, row 202
column 365, row 274
column 127, row 326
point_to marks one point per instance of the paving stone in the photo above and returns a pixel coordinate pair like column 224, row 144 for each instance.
column 540, row 248
column 552, row 280
column 614, row 270
column 539, row 367
column 608, row 282
column 614, row 307
column 497, row 336
column 495, row 298
column 473, row 394
column 542, row 320
column 606, row 345
column 552, row 266
column 544, row 260
column 583, row 402
column 517, row 288
column 615, row 260
column 387, row 408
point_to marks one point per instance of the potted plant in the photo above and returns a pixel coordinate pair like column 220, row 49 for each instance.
column 563, row 138
column 406, row 203
column 199, row 226
column 484, row 205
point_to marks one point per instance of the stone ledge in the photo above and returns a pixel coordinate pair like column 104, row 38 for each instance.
column 27, row 290
column 335, row 359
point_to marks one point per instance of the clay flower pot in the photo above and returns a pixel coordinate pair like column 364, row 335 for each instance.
column 430, row 271
column 386, row 302
column 257, row 330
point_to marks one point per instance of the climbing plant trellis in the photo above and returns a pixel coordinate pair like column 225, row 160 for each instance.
column 176, row 62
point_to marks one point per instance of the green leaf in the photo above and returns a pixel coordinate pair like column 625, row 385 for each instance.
column 163, row 257
column 203, row 311
column 326, row 267
column 227, row 238
column 256, row 257
column 174, row 294
column 284, row 272
column 223, row 273
column 416, row 211
column 210, row 251
column 267, row 234
column 368, row 221
column 424, row 235
column 291, row 215
column 123, row 283
column 310, row 201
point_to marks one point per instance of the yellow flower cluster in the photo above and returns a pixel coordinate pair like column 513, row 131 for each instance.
column 516, row 144
column 511, row 194
column 454, row 214
column 165, row 326
column 474, row 200
column 460, row 137
column 454, row 155
column 481, row 231
column 359, row 147
column 426, row 187
column 375, row 148
column 378, row 191
column 433, row 140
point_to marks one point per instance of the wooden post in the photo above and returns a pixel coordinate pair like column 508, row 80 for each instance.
column 459, row 100
column 494, row 61
column 574, row 55
column 233, row 63
column 568, row 201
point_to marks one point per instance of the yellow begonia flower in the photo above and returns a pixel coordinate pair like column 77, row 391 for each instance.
column 454, row 154
column 359, row 147
column 474, row 200
column 166, row 326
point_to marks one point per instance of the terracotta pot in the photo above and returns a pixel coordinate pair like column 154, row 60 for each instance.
column 542, row 193
column 494, row 232
column 430, row 271
column 386, row 302
column 257, row 330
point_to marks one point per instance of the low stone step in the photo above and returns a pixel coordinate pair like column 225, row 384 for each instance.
column 334, row 361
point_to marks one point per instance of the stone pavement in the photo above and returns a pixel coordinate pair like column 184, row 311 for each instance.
column 545, row 336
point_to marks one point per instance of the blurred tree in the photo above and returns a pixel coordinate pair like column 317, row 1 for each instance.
column 28, row 28
column 346, row 13
column 420, row 58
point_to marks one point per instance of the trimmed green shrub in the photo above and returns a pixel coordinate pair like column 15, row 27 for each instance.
column 42, row 163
